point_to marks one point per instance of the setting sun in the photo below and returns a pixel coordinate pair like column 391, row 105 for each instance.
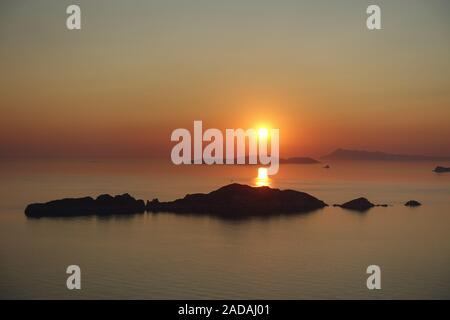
column 263, row 133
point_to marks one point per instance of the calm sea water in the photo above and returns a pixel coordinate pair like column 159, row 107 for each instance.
column 323, row 254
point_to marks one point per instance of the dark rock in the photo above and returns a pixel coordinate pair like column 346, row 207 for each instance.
column 360, row 204
column 102, row 205
column 439, row 169
column 413, row 203
column 241, row 200
column 326, row 167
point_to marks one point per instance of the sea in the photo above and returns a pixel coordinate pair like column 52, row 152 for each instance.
column 317, row 255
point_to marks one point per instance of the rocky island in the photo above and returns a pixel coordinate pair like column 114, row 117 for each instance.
column 102, row 205
column 234, row 200
column 359, row 204
column 239, row 199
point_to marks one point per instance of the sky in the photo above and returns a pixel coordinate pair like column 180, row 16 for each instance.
column 137, row 70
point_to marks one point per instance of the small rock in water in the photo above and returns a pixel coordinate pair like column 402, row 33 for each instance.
column 413, row 203
column 360, row 204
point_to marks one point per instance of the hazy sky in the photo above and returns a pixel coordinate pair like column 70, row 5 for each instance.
column 139, row 69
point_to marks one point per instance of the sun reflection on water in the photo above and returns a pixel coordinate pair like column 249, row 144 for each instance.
column 263, row 179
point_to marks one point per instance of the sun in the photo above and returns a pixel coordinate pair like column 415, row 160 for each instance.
column 263, row 132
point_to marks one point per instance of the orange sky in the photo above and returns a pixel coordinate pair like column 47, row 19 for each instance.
column 137, row 71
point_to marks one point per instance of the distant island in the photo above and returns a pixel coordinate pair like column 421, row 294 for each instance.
column 299, row 160
column 439, row 169
column 345, row 154
column 292, row 160
column 234, row 200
